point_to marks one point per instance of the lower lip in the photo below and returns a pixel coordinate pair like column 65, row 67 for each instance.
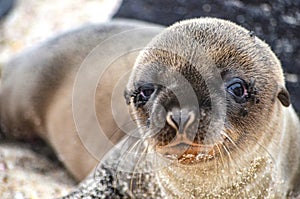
column 188, row 154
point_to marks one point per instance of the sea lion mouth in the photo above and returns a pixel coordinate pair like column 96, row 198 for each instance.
column 188, row 153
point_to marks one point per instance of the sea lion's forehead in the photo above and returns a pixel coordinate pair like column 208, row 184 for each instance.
column 224, row 45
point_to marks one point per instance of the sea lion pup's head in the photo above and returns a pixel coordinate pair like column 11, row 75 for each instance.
column 205, row 91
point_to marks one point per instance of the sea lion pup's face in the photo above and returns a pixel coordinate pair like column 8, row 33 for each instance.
column 205, row 89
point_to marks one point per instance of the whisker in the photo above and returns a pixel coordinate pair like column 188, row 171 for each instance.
column 145, row 152
column 134, row 170
column 221, row 155
column 125, row 154
column 229, row 156
column 229, row 138
column 227, row 149
column 226, row 135
column 263, row 148
column 216, row 163
column 119, row 129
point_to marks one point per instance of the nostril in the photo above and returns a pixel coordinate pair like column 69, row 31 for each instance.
column 173, row 120
column 180, row 119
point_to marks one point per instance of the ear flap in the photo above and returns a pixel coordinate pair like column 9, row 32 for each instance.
column 284, row 96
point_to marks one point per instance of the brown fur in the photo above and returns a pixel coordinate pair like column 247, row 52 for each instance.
column 204, row 51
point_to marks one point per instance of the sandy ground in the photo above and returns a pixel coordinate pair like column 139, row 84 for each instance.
column 24, row 172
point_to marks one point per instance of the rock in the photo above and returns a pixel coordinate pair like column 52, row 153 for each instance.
column 5, row 7
column 275, row 21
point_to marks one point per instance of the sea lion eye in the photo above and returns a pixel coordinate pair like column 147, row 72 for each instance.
column 143, row 94
column 146, row 91
column 237, row 88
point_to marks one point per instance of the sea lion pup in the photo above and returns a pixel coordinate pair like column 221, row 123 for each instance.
column 36, row 92
column 211, row 106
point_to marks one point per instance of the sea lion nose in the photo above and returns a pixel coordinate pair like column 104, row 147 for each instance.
column 180, row 119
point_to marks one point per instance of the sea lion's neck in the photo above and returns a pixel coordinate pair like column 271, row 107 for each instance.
column 237, row 181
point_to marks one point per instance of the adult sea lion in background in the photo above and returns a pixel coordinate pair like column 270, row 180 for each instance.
column 36, row 93
column 214, row 120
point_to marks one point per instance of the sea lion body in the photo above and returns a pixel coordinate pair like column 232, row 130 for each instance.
column 36, row 92
column 211, row 107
